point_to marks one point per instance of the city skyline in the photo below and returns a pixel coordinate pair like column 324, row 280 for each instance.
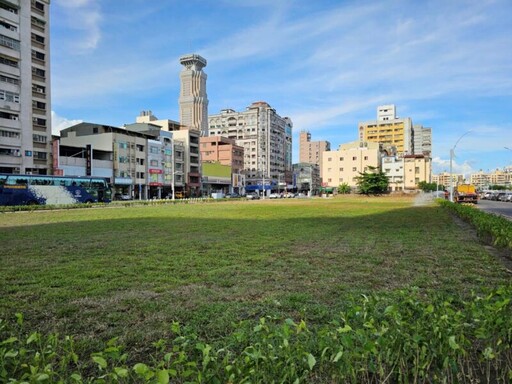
column 326, row 64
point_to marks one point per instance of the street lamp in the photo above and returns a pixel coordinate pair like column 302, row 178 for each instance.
column 452, row 154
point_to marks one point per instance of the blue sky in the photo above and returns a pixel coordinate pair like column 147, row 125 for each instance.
column 326, row 64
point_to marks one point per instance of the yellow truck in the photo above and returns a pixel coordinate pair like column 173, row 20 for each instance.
column 466, row 193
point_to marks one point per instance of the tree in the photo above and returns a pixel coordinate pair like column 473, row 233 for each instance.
column 373, row 181
column 344, row 188
column 430, row 187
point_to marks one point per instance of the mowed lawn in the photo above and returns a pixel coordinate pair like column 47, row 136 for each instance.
column 129, row 272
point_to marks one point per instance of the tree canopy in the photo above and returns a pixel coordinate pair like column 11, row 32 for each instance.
column 372, row 182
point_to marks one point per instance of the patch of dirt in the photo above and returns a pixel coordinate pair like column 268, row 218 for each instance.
column 504, row 256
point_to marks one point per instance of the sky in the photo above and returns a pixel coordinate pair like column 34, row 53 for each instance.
column 326, row 64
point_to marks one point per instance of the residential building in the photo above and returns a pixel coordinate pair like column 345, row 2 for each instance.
column 190, row 139
column 223, row 151
column 422, row 140
column 393, row 167
column 311, row 151
column 165, row 159
column 388, row 130
column 347, row 163
column 417, row 168
column 193, row 101
column 25, row 102
column 128, row 155
column 266, row 138
column 307, row 178
column 480, row 179
column 444, row 179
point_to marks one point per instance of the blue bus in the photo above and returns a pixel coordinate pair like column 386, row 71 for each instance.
column 42, row 189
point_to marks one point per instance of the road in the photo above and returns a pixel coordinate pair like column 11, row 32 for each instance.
column 497, row 207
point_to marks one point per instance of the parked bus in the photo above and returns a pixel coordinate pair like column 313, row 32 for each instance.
column 41, row 189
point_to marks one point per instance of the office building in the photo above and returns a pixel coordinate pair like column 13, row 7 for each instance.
column 25, row 110
column 266, row 139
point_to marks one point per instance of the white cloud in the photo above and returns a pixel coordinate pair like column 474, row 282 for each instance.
column 59, row 123
column 84, row 18
column 441, row 165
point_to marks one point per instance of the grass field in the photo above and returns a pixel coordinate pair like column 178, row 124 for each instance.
column 129, row 272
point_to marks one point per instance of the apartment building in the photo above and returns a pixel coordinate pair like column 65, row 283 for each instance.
column 444, row 179
column 307, row 178
column 190, row 139
column 265, row 137
column 311, row 151
column 165, row 160
column 422, row 140
column 345, row 164
column 25, row 109
column 393, row 168
column 388, row 130
column 417, row 168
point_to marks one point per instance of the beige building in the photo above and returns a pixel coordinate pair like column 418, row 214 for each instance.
column 351, row 159
column 193, row 101
column 311, row 151
column 25, row 102
column 417, row 168
column 444, row 179
column 388, row 130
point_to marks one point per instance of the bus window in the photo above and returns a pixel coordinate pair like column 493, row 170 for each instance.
column 21, row 182
column 3, row 179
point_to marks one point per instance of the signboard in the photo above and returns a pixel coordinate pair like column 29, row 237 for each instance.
column 88, row 160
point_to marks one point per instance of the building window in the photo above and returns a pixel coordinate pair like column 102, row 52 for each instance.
column 354, row 169
column 9, row 96
column 7, row 61
column 342, row 158
column 366, row 157
column 38, row 72
column 10, row 43
column 39, row 138
column 354, row 158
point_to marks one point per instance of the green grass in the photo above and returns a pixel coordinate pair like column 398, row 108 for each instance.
column 129, row 272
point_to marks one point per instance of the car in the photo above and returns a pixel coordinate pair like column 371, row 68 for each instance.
column 252, row 196
column 232, row 195
column 509, row 198
column 122, row 196
column 289, row 195
column 504, row 196
column 274, row 196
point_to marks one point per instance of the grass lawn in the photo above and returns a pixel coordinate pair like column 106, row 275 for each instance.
column 129, row 272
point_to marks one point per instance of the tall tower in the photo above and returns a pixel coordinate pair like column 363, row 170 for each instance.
column 25, row 110
column 193, row 100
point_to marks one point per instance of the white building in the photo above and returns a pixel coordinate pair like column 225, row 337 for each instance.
column 266, row 138
column 25, row 110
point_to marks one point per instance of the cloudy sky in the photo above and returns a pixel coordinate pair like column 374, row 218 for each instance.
column 326, row 64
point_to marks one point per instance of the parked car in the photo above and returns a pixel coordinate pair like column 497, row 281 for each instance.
column 504, row 196
column 122, row 196
column 232, row 195
column 274, row 196
column 252, row 196
column 509, row 198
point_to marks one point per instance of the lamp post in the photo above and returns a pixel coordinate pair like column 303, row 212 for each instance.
column 452, row 154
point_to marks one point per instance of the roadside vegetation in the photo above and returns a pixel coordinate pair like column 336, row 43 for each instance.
column 351, row 289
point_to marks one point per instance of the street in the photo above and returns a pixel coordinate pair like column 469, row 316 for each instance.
column 497, row 207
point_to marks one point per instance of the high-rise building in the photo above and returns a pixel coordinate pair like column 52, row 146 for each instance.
column 193, row 100
column 311, row 151
column 422, row 137
column 388, row 130
column 266, row 138
column 25, row 111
